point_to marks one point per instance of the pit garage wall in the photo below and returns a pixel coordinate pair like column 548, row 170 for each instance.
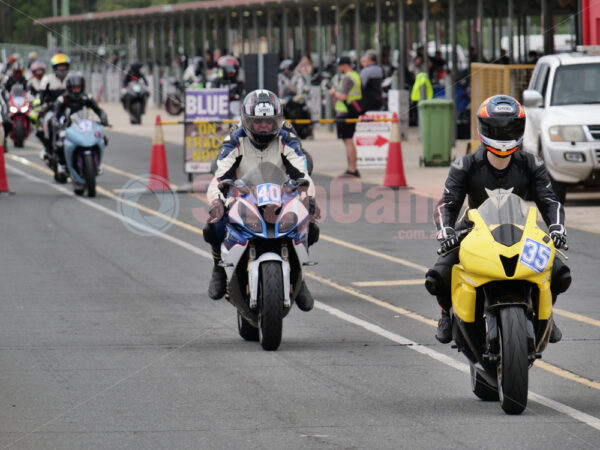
column 590, row 18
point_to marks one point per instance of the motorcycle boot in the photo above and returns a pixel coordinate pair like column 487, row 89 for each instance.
column 304, row 299
column 218, row 279
column 555, row 334
column 444, row 329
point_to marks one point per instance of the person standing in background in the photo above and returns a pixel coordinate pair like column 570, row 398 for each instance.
column 371, row 77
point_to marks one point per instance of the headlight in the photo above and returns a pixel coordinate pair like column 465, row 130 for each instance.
column 577, row 157
column 13, row 110
column 567, row 133
column 287, row 222
column 250, row 219
column 24, row 109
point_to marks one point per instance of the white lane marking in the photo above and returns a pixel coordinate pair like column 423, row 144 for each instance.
column 579, row 416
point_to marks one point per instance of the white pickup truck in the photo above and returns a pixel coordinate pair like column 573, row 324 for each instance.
column 562, row 106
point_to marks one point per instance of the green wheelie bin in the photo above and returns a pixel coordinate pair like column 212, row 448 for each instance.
column 436, row 118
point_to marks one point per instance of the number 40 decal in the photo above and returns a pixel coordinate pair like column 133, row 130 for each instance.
column 535, row 255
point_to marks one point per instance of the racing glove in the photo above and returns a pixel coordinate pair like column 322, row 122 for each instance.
column 448, row 239
column 558, row 233
column 216, row 211
column 103, row 119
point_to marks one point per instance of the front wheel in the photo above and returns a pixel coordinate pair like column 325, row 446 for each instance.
column 174, row 105
column 247, row 331
column 270, row 316
column 89, row 173
column 19, row 133
column 513, row 364
column 136, row 112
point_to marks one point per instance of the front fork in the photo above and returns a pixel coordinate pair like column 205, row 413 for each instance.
column 492, row 349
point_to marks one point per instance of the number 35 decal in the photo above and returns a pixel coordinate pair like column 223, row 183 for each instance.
column 535, row 255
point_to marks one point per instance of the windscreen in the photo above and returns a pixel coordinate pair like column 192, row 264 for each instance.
column 576, row 84
column 503, row 208
column 264, row 173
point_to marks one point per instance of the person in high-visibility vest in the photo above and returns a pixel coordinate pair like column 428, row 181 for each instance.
column 422, row 89
column 347, row 94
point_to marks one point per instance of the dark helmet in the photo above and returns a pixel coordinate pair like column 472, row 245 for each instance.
column 501, row 124
column 198, row 62
column 75, row 85
column 136, row 68
column 17, row 69
column 262, row 116
column 230, row 66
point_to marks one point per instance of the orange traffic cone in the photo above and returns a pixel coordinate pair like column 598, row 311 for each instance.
column 3, row 181
column 159, row 174
column 394, row 170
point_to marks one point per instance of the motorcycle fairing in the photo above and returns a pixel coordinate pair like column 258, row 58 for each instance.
column 75, row 138
column 480, row 263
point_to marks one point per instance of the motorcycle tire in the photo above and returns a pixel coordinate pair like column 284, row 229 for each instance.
column 482, row 388
column 89, row 174
column 247, row 331
column 513, row 364
column 19, row 133
column 59, row 177
column 174, row 105
column 136, row 113
column 270, row 298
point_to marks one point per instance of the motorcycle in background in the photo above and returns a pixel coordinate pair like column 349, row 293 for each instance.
column 296, row 108
column 84, row 144
column 135, row 101
column 19, row 108
column 264, row 250
column 175, row 101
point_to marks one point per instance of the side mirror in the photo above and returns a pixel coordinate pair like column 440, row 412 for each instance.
column 532, row 98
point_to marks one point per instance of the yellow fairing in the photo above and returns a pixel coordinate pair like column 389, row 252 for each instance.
column 480, row 263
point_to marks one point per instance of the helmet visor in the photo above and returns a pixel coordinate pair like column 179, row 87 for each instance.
column 502, row 128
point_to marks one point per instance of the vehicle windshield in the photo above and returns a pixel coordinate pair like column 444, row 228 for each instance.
column 576, row 84
column 503, row 208
column 264, row 173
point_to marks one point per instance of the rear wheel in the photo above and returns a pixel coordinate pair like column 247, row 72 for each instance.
column 270, row 316
column 89, row 174
column 136, row 112
column 513, row 364
column 482, row 388
column 247, row 331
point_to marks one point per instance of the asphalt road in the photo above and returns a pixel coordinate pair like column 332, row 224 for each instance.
column 108, row 339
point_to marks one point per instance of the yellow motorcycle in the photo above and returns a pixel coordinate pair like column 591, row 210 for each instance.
column 501, row 299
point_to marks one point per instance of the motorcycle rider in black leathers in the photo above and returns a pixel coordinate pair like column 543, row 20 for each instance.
column 497, row 164
column 263, row 137
column 133, row 74
column 73, row 100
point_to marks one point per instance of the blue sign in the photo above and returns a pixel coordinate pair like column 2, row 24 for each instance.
column 206, row 104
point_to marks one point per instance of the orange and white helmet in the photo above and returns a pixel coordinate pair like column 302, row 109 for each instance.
column 501, row 124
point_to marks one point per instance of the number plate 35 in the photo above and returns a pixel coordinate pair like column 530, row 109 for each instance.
column 535, row 255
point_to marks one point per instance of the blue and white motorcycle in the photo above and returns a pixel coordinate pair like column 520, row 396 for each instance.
column 84, row 143
column 265, row 248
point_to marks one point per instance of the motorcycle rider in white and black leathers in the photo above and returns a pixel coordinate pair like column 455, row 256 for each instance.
column 53, row 86
column 497, row 164
column 262, row 138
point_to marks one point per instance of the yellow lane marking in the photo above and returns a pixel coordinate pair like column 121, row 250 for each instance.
column 25, row 152
column 348, row 290
column 575, row 316
column 558, row 371
column 388, row 283
column 26, row 162
column 370, row 298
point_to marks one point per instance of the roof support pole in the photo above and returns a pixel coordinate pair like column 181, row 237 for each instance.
column 357, row 45
column 319, row 37
column 301, row 31
column 453, row 45
column 401, row 45
column 510, row 24
column 378, row 27
column 269, row 30
column 479, row 30
column 547, row 29
column 425, row 35
column 284, row 33
column 339, row 45
column 254, row 40
column 241, row 33
column 193, row 33
column 228, row 41
column 203, row 34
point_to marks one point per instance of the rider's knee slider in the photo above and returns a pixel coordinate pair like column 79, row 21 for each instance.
column 210, row 235
column 433, row 283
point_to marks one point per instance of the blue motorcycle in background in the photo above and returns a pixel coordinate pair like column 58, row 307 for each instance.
column 265, row 248
column 84, row 144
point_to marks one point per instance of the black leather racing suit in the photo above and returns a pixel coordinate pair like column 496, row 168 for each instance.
column 471, row 176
